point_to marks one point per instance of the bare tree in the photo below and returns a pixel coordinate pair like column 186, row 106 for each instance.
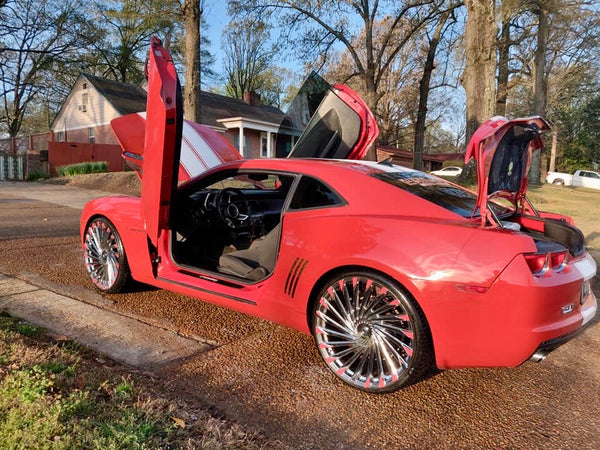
column 433, row 40
column 324, row 24
column 33, row 35
column 247, row 56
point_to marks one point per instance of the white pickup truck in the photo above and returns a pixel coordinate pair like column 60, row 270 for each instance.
column 583, row 178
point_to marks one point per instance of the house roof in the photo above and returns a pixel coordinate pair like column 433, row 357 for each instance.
column 214, row 107
column 126, row 98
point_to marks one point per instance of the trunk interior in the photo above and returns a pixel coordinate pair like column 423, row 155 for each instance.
column 549, row 233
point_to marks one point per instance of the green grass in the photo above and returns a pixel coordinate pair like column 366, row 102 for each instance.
column 54, row 395
column 82, row 168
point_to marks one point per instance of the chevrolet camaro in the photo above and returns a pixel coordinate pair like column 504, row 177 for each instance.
column 392, row 270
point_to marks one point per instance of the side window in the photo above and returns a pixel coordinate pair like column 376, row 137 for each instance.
column 311, row 193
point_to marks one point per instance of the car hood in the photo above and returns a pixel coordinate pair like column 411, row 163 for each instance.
column 502, row 150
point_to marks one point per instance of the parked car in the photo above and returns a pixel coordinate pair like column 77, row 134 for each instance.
column 450, row 171
column 582, row 178
column 392, row 270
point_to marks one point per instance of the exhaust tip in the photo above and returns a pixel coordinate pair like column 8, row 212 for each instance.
column 539, row 356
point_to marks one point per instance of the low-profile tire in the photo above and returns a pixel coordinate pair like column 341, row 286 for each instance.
column 371, row 333
column 104, row 255
column 558, row 182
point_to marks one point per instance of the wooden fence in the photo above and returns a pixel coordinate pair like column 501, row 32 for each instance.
column 62, row 153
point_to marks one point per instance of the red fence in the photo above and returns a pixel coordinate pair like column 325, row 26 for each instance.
column 62, row 153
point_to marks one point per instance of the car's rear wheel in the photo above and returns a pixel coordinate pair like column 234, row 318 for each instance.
column 104, row 254
column 558, row 181
column 371, row 332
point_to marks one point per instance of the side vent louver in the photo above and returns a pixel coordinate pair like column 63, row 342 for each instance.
column 294, row 275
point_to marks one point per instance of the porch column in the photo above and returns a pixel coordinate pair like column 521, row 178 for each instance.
column 269, row 145
column 241, row 142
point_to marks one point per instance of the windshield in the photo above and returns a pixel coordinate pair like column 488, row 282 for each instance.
column 436, row 190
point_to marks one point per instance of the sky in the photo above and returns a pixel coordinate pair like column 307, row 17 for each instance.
column 215, row 13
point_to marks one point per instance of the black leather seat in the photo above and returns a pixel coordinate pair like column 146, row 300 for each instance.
column 255, row 262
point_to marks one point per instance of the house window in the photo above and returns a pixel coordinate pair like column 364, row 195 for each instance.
column 246, row 152
column 91, row 135
column 264, row 146
column 84, row 86
column 84, row 99
column 60, row 136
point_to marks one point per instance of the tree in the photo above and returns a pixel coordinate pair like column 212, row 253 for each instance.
column 433, row 40
column 569, row 75
column 247, row 56
column 480, row 68
column 191, row 13
column 33, row 36
column 323, row 25
column 125, row 27
column 540, row 78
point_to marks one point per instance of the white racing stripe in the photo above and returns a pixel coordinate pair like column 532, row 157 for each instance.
column 196, row 154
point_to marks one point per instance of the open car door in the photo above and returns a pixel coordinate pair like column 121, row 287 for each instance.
column 162, row 141
column 325, row 121
column 502, row 150
column 163, row 148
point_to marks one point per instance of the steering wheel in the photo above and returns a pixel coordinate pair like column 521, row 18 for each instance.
column 233, row 208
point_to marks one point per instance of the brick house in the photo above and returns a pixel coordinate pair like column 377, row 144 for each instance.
column 94, row 101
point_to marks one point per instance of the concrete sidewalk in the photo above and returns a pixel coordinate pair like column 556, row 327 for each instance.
column 70, row 196
column 122, row 338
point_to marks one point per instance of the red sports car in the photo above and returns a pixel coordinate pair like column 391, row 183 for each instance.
column 393, row 271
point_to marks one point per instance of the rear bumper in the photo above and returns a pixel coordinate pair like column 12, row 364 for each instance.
column 552, row 344
column 519, row 317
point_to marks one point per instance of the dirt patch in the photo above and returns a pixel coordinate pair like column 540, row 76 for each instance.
column 119, row 182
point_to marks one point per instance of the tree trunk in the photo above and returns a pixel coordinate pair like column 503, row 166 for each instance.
column 424, row 85
column 553, row 149
column 372, row 101
column 503, row 60
column 539, row 82
column 190, row 11
column 479, row 78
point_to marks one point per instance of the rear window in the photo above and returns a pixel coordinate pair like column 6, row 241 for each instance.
column 433, row 189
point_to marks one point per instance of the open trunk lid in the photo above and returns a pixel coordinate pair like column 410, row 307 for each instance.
column 502, row 150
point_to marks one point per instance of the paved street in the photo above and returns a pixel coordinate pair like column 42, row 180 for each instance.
column 271, row 379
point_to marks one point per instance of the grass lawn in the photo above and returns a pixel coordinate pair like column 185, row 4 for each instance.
column 583, row 205
column 56, row 394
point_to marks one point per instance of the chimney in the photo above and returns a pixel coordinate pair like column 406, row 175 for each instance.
column 251, row 98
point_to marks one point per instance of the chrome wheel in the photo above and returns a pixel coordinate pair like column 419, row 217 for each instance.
column 104, row 256
column 368, row 332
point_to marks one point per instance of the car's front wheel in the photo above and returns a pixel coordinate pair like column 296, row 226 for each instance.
column 371, row 332
column 104, row 254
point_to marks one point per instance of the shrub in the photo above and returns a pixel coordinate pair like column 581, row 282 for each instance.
column 82, row 168
column 32, row 176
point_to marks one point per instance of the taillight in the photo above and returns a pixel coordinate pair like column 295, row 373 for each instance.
column 536, row 262
column 558, row 260
column 540, row 263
